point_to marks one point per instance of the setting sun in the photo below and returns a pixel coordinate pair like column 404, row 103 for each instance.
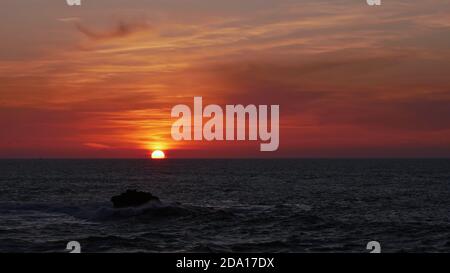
column 158, row 154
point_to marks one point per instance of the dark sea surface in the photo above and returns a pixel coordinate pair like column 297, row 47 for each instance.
column 227, row 205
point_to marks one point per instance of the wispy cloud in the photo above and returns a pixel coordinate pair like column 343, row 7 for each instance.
column 120, row 30
column 97, row 146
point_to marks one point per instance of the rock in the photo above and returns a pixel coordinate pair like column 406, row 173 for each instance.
column 132, row 198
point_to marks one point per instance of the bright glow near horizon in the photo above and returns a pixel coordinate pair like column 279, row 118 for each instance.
column 158, row 154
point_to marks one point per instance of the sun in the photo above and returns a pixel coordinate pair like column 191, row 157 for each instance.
column 158, row 154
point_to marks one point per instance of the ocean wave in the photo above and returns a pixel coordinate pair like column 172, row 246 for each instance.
column 105, row 212
column 102, row 210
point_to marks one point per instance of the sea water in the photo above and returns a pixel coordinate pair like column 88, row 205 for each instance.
column 287, row 205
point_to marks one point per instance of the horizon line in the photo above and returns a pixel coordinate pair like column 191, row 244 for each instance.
column 220, row 158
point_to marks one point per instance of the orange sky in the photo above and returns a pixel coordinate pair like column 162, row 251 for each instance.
column 100, row 80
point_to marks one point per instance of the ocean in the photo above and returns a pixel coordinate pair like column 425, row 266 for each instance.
column 267, row 205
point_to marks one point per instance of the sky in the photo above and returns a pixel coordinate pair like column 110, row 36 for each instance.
column 99, row 80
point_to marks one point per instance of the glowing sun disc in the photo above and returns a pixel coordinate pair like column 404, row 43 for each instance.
column 158, row 154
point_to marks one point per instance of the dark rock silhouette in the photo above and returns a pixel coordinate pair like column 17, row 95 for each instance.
column 132, row 198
